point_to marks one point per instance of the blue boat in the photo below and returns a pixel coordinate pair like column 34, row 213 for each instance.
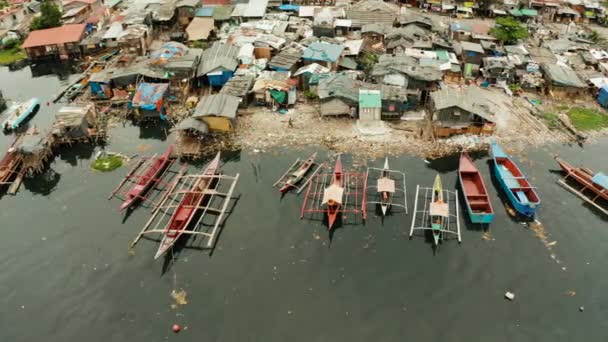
column 18, row 113
column 474, row 191
column 521, row 194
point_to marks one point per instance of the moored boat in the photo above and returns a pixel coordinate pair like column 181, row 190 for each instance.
column 438, row 210
column 188, row 205
column 333, row 194
column 597, row 183
column 9, row 164
column 19, row 113
column 519, row 191
column 385, row 184
column 298, row 174
column 145, row 180
column 474, row 190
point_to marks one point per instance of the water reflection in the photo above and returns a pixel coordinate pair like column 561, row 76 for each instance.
column 43, row 184
column 72, row 154
column 61, row 70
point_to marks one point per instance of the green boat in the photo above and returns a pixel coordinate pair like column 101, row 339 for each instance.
column 439, row 210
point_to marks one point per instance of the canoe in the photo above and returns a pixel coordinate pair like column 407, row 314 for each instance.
column 20, row 112
column 149, row 177
column 385, row 196
column 333, row 195
column 298, row 174
column 590, row 180
column 9, row 164
column 474, row 190
column 522, row 196
column 438, row 210
column 187, row 207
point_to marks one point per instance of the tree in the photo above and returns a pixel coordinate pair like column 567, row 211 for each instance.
column 50, row 16
column 509, row 30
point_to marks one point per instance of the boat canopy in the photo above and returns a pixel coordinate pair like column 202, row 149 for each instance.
column 334, row 193
column 601, row 179
column 439, row 209
column 386, row 185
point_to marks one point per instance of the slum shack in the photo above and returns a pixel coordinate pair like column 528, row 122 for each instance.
column 498, row 69
column 370, row 104
column 34, row 149
column 218, row 111
column 58, row 42
column 273, row 89
column 323, row 53
column 561, row 81
column 240, row 86
column 338, row 95
column 77, row 123
column 149, row 100
column 190, row 135
column 217, row 64
column 461, row 111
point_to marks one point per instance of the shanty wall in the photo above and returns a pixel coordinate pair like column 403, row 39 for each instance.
column 218, row 124
column 443, row 132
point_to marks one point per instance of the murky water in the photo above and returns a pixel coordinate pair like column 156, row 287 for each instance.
column 66, row 273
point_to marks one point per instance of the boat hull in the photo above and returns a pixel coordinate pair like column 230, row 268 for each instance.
column 474, row 191
column 482, row 218
column 25, row 110
column 525, row 209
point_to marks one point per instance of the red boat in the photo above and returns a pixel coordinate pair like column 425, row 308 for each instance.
column 333, row 195
column 187, row 207
column 149, row 177
column 596, row 182
column 9, row 165
column 475, row 192
column 297, row 175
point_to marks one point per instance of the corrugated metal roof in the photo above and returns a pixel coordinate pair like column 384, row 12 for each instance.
column 192, row 124
column 239, row 85
column 471, row 99
column 217, row 105
column 562, row 76
column 286, row 58
column 468, row 46
column 219, row 55
column 255, row 8
column 319, row 51
column 372, row 11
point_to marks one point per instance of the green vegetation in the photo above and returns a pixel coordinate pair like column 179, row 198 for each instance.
column 11, row 52
column 107, row 163
column 586, row 119
column 199, row 44
column 509, row 30
column 368, row 61
column 514, row 87
column 3, row 3
column 551, row 120
column 50, row 16
column 310, row 95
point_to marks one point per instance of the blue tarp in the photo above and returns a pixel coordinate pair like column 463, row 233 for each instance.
column 602, row 97
column 287, row 7
column 150, row 96
column 204, row 12
column 169, row 50
column 601, row 179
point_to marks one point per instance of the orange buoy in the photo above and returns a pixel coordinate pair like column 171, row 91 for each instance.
column 176, row 328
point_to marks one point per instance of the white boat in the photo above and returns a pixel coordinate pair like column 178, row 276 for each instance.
column 19, row 112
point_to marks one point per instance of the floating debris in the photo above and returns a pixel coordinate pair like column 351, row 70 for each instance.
column 510, row 295
column 179, row 297
column 571, row 293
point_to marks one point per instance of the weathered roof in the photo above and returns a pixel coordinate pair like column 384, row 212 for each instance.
column 319, row 51
column 219, row 55
column 200, row 28
column 376, row 28
column 239, row 85
column 255, row 8
column 223, row 12
column 471, row 99
column 372, row 11
column 278, row 80
column 388, row 64
column 188, row 3
column 468, row 46
column 370, row 98
column 55, row 36
column 348, row 63
column 562, row 76
column 338, row 85
column 415, row 19
column 217, row 105
column 497, row 62
column 286, row 58
column 206, row 11
column 192, row 124
column 410, row 32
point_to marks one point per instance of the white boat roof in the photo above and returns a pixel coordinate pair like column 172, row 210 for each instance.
column 333, row 192
column 386, row 185
column 439, row 209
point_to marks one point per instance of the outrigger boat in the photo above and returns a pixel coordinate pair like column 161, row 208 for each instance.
column 20, row 112
column 386, row 187
column 296, row 176
column 521, row 194
column 189, row 204
column 9, row 165
column 589, row 180
column 389, row 190
column 438, row 211
column 333, row 194
column 475, row 192
column 149, row 177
